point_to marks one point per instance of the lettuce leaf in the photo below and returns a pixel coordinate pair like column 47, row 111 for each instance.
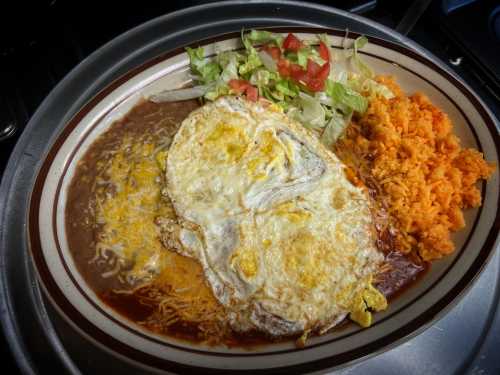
column 334, row 129
column 262, row 77
column 262, row 36
column 309, row 112
column 229, row 68
column 360, row 42
column 268, row 61
column 287, row 87
column 363, row 69
column 219, row 90
column 206, row 70
column 374, row 88
column 345, row 96
column 252, row 56
column 227, row 57
column 302, row 55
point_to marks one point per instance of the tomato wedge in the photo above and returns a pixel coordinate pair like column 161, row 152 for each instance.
column 252, row 93
column 317, row 75
column 240, row 86
column 313, row 77
column 324, row 53
column 295, row 69
column 292, row 43
column 323, row 72
column 298, row 74
column 312, row 68
column 274, row 51
column 284, row 68
column 302, row 77
column 316, row 85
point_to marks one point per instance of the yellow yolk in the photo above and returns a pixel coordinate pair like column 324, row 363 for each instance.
column 268, row 152
column 230, row 139
column 292, row 212
column 246, row 259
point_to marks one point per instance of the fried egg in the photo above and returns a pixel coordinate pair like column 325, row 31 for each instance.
column 286, row 241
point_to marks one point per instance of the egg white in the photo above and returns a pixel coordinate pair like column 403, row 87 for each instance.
column 284, row 238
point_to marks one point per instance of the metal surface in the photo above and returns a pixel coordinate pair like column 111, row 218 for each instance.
column 42, row 341
column 412, row 15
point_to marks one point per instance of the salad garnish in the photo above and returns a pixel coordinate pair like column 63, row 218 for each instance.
column 315, row 84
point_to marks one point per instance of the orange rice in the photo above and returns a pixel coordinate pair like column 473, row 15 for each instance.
column 425, row 177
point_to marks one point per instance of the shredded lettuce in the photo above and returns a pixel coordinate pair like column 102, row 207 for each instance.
column 363, row 69
column 309, row 112
column 287, row 88
column 335, row 127
column 180, row 94
column 349, row 87
column 275, row 96
column 228, row 57
column 228, row 62
column 267, row 61
column 305, row 54
column 253, row 62
column 252, row 57
column 278, row 90
column 217, row 92
column 369, row 87
column 229, row 68
column 360, row 42
column 374, row 88
column 342, row 94
column 261, row 36
column 302, row 55
column 207, row 71
column 262, row 77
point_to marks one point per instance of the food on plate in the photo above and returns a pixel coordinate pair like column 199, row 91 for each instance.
column 316, row 85
column 407, row 147
column 286, row 241
column 302, row 190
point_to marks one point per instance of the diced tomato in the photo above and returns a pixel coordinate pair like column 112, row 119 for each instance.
column 240, row 86
column 312, row 68
column 313, row 77
column 297, row 73
column 292, row 43
column 295, row 69
column 284, row 71
column 284, row 67
column 324, row 53
column 252, row 93
column 317, row 75
column 316, row 85
column 274, row 51
column 323, row 72
column 302, row 78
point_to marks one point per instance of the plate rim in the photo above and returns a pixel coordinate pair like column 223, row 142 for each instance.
column 457, row 291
